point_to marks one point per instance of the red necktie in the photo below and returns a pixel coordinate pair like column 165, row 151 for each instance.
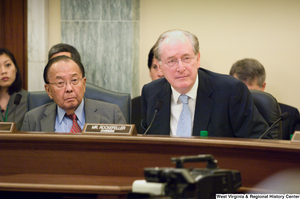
column 75, row 127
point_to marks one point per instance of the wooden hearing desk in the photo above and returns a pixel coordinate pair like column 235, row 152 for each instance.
column 106, row 166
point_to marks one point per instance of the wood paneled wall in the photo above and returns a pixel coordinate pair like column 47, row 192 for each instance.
column 13, row 32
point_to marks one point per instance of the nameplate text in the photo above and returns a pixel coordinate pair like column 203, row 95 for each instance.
column 116, row 129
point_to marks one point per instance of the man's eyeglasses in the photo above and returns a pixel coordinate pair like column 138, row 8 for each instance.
column 174, row 62
column 62, row 83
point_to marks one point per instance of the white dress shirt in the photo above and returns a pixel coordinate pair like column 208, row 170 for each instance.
column 176, row 106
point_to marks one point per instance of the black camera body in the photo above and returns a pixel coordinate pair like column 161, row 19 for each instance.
column 186, row 183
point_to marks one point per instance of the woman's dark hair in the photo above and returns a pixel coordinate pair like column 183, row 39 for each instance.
column 150, row 58
column 17, row 84
column 59, row 58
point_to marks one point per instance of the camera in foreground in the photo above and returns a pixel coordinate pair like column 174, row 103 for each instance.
column 180, row 182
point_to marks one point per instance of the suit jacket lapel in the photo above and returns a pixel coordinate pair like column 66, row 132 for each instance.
column 91, row 115
column 204, row 104
column 11, row 104
column 163, row 116
column 48, row 122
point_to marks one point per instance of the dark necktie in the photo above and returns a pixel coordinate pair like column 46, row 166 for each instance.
column 75, row 127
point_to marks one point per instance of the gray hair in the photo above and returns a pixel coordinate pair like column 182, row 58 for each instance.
column 193, row 39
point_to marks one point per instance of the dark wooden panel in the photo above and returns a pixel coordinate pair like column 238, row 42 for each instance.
column 50, row 156
column 13, row 25
column 1, row 23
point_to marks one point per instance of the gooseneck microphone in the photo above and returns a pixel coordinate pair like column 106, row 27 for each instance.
column 282, row 117
column 157, row 108
column 17, row 101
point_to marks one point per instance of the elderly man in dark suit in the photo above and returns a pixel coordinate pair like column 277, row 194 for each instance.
column 65, row 83
column 195, row 99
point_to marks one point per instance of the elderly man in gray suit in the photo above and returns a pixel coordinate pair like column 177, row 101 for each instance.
column 65, row 83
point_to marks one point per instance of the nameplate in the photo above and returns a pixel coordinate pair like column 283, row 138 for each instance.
column 8, row 127
column 296, row 137
column 110, row 129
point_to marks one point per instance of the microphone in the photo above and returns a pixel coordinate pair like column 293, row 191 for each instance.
column 157, row 108
column 17, row 101
column 282, row 117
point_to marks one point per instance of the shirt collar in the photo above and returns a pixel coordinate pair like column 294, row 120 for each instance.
column 192, row 93
column 79, row 112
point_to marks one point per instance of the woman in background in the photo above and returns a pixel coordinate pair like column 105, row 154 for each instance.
column 13, row 99
column 136, row 103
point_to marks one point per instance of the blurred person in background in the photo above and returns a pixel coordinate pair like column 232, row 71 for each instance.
column 155, row 73
column 13, row 99
column 253, row 74
column 64, row 49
